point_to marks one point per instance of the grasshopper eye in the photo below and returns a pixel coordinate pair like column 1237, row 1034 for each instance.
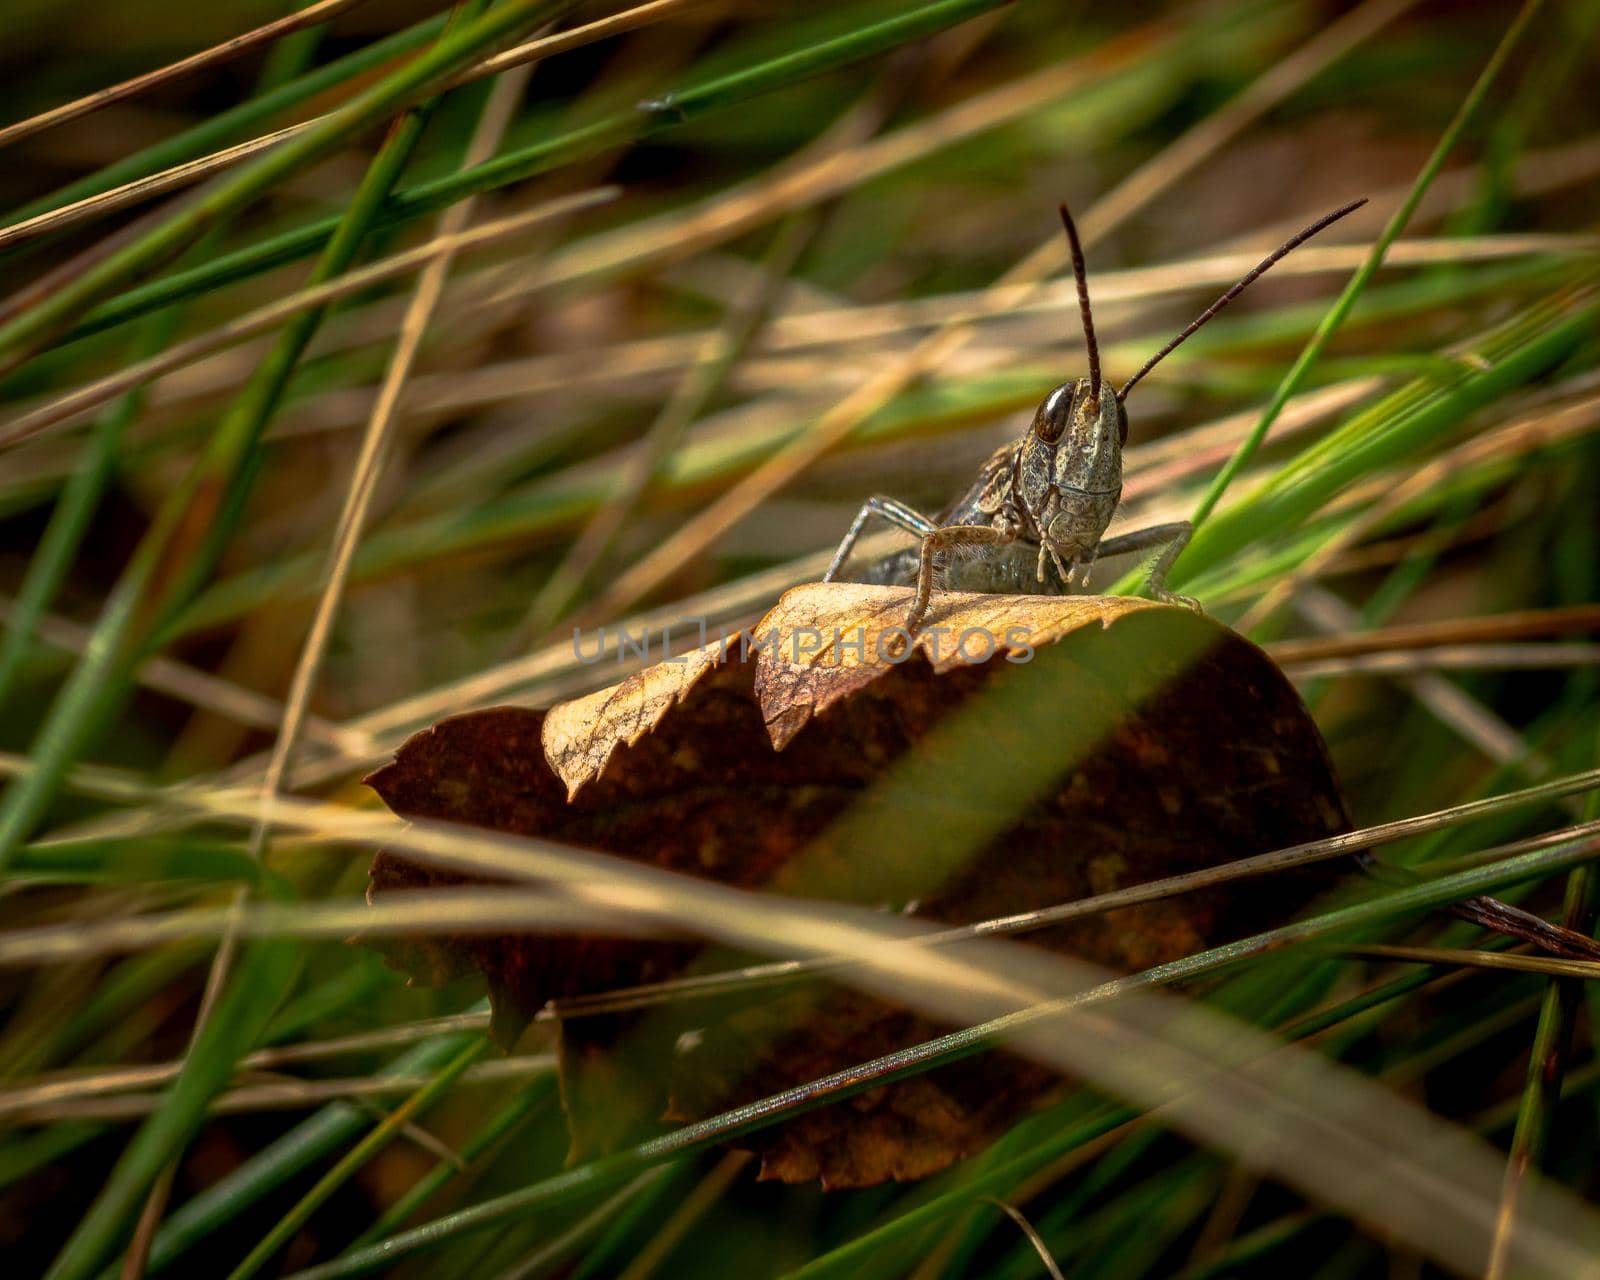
column 1051, row 418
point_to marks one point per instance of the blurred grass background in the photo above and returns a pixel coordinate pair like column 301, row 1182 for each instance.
column 814, row 280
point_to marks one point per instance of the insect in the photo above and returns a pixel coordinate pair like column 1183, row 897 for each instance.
column 1045, row 501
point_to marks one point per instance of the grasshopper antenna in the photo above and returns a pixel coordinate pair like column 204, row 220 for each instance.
column 1082, row 277
column 1287, row 247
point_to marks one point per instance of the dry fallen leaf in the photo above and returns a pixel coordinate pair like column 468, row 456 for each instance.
column 1064, row 747
column 580, row 736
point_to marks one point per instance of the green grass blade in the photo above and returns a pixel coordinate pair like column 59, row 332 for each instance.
column 1547, row 1058
column 193, row 523
column 548, row 153
column 1295, row 378
column 453, row 50
column 236, row 122
column 53, row 557
column 276, row 1164
column 501, row 1125
column 260, row 980
column 1513, row 353
column 352, row 1161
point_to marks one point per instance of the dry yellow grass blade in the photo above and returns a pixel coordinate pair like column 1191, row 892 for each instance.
column 311, row 15
column 1380, row 1159
column 73, row 406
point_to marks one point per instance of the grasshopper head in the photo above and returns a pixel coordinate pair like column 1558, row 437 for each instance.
column 1073, row 446
column 1069, row 471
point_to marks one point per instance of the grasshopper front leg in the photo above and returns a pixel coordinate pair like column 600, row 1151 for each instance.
column 948, row 538
column 890, row 509
column 1174, row 536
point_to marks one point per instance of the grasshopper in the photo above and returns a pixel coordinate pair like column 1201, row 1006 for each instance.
column 1045, row 501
